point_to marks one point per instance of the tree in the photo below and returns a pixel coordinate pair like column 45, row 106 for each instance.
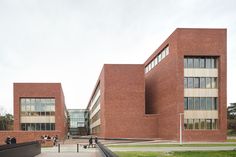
column 6, row 121
column 231, row 114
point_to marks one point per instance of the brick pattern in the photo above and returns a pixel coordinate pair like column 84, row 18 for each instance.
column 41, row 90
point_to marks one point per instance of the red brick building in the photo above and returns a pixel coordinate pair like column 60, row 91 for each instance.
column 39, row 109
column 185, row 77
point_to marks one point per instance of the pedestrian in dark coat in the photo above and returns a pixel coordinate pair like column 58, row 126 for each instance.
column 8, row 140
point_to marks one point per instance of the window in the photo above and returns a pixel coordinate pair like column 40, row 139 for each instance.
column 190, row 104
column 185, row 123
column 214, row 82
column 208, row 82
column 203, row 103
column 196, row 124
column 213, row 63
column 209, row 124
column 196, row 82
column 208, row 63
column 185, row 63
column 190, row 62
column 202, row 63
column 208, row 103
column 202, row 124
column 190, row 123
column 197, row 103
column 185, row 103
column 215, row 103
column 190, row 82
column 202, row 82
column 185, row 82
column 214, row 124
column 196, row 63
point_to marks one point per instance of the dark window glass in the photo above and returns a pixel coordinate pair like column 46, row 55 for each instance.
column 52, row 126
column 190, row 62
column 196, row 63
column 32, row 127
column 27, row 126
column 214, row 82
column 185, row 103
column 185, row 82
column 190, row 82
column 196, row 82
column 215, row 103
column 38, row 126
column 190, row 123
column 185, row 63
column 43, row 127
column 214, row 124
column 196, row 124
column 185, row 123
column 190, row 104
column 202, row 63
column 202, row 82
column 208, row 82
column 208, row 63
column 47, row 126
column 203, row 103
column 23, row 126
column 202, row 124
column 209, row 103
column 197, row 103
column 213, row 63
column 209, row 124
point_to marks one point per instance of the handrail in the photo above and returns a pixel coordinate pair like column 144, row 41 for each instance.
column 105, row 151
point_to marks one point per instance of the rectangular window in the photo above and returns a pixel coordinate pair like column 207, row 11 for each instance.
column 196, row 124
column 213, row 63
column 37, row 126
column 208, row 63
column 43, row 127
column 190, row 62
column 203, row 103
column 214, row 82
column 190, row 82
column 202, row 124
column 185, row 103
column 209, row 103
column 23, row 127
column 208, row 82
column 197, row 103
column 185, row 82
column 215, row 103
column 190, row 123
column 214, row 124
column 208, row 124
column 185, row 63
column 185, row 123
column 196, row 63
column 202, row 63
column 202, row 82
column 190, row 104
column 196, row 82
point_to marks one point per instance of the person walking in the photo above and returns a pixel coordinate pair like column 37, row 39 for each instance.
column 96, row 139
column 13, row 140
column 8, row 140
column 91, row 141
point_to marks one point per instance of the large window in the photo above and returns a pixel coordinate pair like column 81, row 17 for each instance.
column 200, row 103
column 200, row 82
column 200, row 62
column 31, row 107
column 200, row 124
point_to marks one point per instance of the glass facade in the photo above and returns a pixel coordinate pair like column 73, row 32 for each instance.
column 77, row 121
column 200, row 103
column 34, row 109
column 200, row 82
column 200, row 62
column 200, row 124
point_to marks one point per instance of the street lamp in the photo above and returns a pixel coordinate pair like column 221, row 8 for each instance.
column 180, row 129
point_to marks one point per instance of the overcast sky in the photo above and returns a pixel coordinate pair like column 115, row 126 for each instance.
column 69, row 41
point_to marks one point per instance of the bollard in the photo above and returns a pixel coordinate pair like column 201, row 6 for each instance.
column 77, row 147
column 58, row 148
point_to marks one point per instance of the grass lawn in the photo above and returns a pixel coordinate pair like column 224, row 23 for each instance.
column 179, row 154
column 173, row 145
column 231, row 140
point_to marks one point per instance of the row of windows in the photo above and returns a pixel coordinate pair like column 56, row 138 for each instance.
column 200, row 103
column 200, row 82
column 200, row 62
column 96, row 104
column 37, row 104
column 157, row 59
column 96, row 130
column 76, row 124
column 200, row 124
column 37, row 126
column 95, row 117
column 37, row 113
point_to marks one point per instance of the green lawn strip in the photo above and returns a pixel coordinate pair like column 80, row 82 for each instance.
column 179, row 154
column 231, row 140
column 173, row 145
